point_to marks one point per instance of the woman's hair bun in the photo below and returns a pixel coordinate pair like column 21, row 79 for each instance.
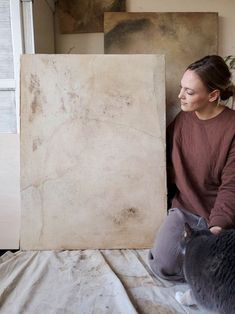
column 228, row 92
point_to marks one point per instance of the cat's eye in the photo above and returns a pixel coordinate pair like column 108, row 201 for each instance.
column 185, row 234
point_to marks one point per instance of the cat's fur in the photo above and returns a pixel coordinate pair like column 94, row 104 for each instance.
column 209, row 268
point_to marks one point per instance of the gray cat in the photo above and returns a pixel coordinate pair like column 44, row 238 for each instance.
column 209, row 269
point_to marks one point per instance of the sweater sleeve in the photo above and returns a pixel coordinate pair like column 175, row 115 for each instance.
column 223, row 212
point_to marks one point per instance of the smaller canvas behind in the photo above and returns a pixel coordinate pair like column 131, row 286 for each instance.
column 183, row 37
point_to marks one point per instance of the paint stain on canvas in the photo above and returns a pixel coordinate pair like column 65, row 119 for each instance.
column 126, row 215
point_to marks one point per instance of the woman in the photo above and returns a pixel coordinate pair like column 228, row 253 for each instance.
column 201, row 162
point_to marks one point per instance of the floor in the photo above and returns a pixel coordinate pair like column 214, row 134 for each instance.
column 85, row 281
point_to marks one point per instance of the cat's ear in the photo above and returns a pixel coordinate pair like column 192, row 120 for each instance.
column 188, row 231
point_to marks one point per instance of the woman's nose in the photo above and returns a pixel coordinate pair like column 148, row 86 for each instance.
column 181, row 93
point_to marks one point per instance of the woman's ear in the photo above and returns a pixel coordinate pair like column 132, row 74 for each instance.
column 214, row 95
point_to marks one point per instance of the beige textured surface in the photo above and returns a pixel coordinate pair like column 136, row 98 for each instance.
column 181, row 37
column 92, row 151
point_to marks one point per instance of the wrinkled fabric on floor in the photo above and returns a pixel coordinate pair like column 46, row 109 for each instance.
column 84, row 281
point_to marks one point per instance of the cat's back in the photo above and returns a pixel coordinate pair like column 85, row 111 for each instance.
column 212, row 245
column 210, row 270
column 211, row 254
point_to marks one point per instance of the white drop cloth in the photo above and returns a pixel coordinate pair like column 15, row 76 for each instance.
column 88, row 281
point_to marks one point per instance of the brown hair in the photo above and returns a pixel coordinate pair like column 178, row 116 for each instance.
column 215, row 74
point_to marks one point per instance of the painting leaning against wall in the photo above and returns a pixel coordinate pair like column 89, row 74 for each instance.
column 230, row 60
column 180, row 36
column 94, row 175
column 86, row 16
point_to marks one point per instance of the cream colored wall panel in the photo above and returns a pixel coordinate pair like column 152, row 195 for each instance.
column 92, row 151
column 7, row 111
column 10, row 191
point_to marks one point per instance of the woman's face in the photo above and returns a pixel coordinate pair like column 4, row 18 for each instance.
column 193, row 94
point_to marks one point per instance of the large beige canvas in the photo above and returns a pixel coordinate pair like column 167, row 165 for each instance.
column 182, row 37
column 92, row 150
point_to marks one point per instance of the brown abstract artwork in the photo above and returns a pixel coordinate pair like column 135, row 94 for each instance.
column 181, row 37
column 86, row 16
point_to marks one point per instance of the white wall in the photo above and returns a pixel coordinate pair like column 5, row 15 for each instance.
column 10, row 50
column 93, row 43
column 10, row 191
column 9, row 143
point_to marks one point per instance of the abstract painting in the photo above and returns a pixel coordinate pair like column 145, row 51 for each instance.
column 86, row 16
column 181, row 37
column 92, row 151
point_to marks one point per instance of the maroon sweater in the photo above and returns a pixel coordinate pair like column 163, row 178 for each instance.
column 202, row 155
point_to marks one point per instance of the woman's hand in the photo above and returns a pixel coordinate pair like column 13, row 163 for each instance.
column 215, row 230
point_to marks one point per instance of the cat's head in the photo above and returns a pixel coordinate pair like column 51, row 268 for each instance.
column 192, row 232
column 189, row 233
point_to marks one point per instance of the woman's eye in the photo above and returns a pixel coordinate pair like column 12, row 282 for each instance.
column 190, row 93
